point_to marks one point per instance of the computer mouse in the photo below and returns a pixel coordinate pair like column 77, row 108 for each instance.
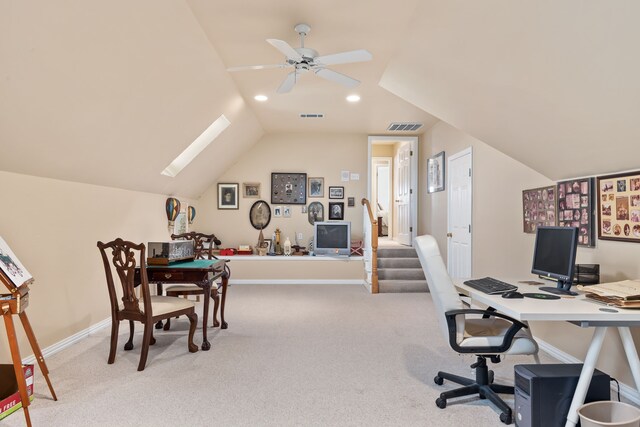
column 512, row 294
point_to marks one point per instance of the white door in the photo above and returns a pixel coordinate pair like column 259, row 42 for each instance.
column 403, row 193
column 459, row 214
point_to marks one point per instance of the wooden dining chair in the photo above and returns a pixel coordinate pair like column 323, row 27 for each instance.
column 123, row 258
column 203, row 245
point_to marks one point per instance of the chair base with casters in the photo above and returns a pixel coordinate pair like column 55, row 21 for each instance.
column 483, row 386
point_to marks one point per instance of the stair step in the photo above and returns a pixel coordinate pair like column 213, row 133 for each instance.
column 391, row 286
column 407, row 252
column 399, row 263
column 401, row 274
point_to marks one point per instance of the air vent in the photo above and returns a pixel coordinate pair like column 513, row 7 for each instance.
column 404, row 127
column 311, row 116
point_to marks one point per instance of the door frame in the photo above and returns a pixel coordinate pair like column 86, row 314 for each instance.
column 469, row 151
column 414, row 174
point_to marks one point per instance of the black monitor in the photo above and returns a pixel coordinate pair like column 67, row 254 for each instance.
column 554, row 256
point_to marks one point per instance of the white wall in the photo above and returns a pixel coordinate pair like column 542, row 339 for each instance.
column 53, row 226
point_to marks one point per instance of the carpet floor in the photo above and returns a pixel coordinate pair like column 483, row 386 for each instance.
column 294, row 355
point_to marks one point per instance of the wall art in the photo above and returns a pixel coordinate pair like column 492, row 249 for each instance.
column 575, row 208
column 619, row 207
column 538, row 208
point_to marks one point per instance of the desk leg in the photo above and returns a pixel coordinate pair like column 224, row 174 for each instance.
column 536, row 357
column 225, row 282
column 632, row 353
column 585, row 375
column 159, row 293
column 206, row 290
column 17, row 364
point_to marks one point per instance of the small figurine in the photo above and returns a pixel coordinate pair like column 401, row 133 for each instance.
column 278, row 247
column 287, row 247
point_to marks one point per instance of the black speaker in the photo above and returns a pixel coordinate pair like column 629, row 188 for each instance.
column 586, row 274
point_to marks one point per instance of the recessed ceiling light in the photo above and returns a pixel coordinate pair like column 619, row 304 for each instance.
column 196, row 146
column 353, row 98
column 261, row 98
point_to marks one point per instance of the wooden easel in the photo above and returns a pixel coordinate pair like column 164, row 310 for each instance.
column 15, row 303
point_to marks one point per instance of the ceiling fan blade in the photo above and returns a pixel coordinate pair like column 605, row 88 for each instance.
column 285, row 48
column 359, row 55
column 288, row 83
column 334, row 76
column 256, row 67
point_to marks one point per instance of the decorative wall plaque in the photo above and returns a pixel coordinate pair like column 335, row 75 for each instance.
column 289, row 188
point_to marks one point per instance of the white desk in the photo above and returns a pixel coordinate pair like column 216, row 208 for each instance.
column 577, row 310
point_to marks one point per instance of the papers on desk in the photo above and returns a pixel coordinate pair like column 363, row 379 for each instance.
column 624, row 294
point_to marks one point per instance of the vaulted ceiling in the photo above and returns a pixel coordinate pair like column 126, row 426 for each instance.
column 109, row 93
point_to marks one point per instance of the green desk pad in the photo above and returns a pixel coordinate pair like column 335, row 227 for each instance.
column 198, row 263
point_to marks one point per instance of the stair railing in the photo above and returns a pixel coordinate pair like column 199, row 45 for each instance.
column 370, row 228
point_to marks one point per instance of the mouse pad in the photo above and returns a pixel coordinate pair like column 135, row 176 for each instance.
column 540, row 296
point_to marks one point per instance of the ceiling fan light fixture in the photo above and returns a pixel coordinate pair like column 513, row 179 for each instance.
column 261, row 98
column 353, row 98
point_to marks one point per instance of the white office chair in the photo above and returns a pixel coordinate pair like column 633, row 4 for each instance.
column 487, row 337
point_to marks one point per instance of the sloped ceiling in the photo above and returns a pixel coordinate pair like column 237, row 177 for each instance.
column 110, row 93
column 553, row 84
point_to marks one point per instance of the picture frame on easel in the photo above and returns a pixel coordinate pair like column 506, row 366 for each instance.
column 12, row 267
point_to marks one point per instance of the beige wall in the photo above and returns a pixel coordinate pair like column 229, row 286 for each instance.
column 317, row 155
column 52, row 226
column 500, row 248
column 382, row 150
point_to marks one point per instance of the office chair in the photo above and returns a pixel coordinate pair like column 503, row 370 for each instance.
column 488, row 337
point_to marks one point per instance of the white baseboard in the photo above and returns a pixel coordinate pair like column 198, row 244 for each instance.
column 296, row 282
column 626, row 391
column 67, row 342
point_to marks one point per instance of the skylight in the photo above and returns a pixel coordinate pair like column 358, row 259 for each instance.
column 196, row 147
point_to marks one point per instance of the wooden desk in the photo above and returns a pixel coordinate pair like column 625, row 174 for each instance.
column 202, row 272
column 579, row 311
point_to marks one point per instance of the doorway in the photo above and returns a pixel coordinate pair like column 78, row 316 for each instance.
column 392, row 187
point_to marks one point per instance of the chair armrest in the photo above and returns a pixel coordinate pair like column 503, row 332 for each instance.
column 506, row 341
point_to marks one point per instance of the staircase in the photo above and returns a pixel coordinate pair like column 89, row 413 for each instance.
column 399, row 270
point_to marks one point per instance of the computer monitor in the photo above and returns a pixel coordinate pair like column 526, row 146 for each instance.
column 554, row 256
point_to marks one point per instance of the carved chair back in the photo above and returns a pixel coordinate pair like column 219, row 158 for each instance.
column 123, row 257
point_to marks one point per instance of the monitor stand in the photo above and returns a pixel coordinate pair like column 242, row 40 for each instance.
column 563, row 288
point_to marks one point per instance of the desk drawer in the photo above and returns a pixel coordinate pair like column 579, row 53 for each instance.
column 160, row 276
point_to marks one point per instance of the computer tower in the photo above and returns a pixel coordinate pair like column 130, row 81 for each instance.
column 543, row 393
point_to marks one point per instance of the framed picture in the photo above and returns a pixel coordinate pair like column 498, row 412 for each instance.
column 336, row 210
column 260, row 215
column 351, row 202
column 227, row 196
column 286, row 211
column 336, row 192
column 619, row 207
column 277, row 211
column 315, row 212
column 289, row 188
column 538, row 208
column 575, row 208
column 12, row 267
column 251, row 190
column 316, row 187
column 435, row 173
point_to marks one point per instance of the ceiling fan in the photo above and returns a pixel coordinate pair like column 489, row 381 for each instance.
column 304, row 59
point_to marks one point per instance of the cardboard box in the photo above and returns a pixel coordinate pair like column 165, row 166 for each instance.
column 9, row 394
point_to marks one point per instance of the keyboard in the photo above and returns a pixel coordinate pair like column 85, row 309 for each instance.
column 490, row 286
